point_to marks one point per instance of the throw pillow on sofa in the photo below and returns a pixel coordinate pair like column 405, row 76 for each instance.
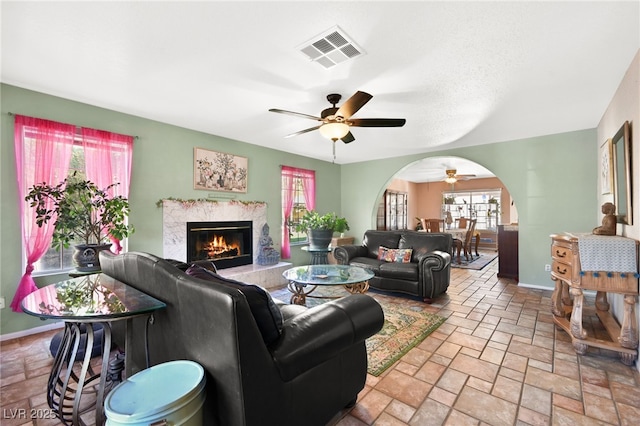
column 179, row 264
column 394, row 255
column 265, row 312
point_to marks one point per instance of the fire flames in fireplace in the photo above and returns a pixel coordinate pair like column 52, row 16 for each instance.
column 218, row 247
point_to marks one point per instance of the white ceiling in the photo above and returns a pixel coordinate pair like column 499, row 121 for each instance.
column 461, row 73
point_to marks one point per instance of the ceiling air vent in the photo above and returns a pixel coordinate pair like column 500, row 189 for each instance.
column 330, row 48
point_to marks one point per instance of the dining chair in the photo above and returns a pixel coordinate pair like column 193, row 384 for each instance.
column 462, row 222
column 435, row 225
column 468, row 238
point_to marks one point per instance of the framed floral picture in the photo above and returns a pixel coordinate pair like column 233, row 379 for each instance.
column 219, row 171
column 606, row 176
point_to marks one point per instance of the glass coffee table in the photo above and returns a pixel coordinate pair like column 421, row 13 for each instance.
column 303, row 280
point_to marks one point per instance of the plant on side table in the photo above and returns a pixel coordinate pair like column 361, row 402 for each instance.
column 82, row 213
column 320, row 228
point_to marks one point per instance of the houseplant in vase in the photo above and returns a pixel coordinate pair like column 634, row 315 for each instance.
column 320, row 228
column 84, row 215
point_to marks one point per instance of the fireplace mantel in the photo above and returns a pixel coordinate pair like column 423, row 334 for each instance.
column 176, row 214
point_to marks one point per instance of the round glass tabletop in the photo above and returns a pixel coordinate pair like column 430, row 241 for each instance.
column 328, row 274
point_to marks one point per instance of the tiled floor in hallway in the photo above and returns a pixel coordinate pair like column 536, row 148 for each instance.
column 497, row 360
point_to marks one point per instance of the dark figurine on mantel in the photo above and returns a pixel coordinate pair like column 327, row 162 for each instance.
column 608, row 221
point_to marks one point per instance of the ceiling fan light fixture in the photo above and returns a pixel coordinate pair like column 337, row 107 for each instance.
column 334, row 131
column 450, row 179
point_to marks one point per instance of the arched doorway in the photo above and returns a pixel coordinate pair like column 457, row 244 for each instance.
column 419, row 191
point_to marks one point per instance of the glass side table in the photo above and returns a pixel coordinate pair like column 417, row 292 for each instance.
column 318, row 256
column 84, row 303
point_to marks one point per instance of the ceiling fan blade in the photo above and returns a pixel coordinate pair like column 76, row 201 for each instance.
column 348, row 138
column 310, row 129
column 297, row 114
column 353, row 104
column 377, row 122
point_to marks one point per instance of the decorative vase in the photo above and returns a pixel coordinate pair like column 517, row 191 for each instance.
column 320, row 239
column 86, row 256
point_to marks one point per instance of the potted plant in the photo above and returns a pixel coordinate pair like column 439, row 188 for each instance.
column 320, row 228
column 83, row 213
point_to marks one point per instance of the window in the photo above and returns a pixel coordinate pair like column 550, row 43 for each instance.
column 47, row 151
column 62, row 259
column 299, row 209
column 298, row 196
column 481, row 204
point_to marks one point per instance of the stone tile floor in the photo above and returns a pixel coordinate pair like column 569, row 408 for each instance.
column 497, row 360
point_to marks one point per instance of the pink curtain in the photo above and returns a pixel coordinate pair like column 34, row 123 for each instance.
column 308, row 178
column 287, row 183
column 42, row 154
column 108, row 160
column 309, row 188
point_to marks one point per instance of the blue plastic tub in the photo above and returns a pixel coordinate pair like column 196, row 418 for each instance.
column 173, row 391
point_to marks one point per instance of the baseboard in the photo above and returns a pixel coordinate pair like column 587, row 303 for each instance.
column 542, row 287
column 534, row 286
column 31, row 331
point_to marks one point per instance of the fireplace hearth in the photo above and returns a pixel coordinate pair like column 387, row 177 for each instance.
column 227, row 244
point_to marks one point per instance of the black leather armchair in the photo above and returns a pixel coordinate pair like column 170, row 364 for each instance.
column 426, row 275
column 312, row 367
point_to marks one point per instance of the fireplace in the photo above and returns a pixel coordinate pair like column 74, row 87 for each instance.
column 227, row 244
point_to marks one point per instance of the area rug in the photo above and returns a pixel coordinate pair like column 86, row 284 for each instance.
column 403, row 329
column 477, row 263
column 406, row 325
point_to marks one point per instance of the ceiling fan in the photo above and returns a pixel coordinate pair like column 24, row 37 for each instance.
column 451, row 176
column 336, row 122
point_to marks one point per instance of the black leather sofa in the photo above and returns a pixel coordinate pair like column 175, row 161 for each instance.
column 427, row 273
column 266, row 362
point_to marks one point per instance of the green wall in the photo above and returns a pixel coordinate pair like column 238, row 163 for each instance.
column 551, row 179
column 162, row 167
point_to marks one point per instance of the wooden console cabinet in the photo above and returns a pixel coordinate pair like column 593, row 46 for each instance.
column 508, row 251
column 570, row 280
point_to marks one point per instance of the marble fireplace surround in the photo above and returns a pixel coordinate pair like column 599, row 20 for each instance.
column 176, row 214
